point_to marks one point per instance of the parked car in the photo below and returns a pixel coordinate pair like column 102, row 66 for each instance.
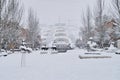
column 62, row 44
column 117, row 52
column 44, row 47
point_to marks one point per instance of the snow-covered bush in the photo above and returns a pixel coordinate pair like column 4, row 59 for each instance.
column 26, row 49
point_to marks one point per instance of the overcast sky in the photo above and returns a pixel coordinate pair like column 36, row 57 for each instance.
column 49, row 11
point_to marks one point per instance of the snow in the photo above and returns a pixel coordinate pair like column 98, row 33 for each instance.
column 3, row 53
column 29, row 49
column 111, row 47
column 60, row 66
column 22, row 47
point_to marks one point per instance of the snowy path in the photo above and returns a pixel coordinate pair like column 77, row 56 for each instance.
column 62, row 66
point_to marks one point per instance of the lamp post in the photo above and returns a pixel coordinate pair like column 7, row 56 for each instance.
column 23, row 56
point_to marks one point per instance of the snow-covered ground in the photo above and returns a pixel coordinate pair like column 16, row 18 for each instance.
column 61, row 66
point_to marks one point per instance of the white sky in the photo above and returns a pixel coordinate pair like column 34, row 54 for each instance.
column 49, row 11
column 68, row 11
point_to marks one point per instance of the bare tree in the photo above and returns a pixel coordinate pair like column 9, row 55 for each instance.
column 15, row 11
column 99, row 11
column 11, row 13
column 2, row 6
column 116, row 8
column 86, row 21
column 33, row 24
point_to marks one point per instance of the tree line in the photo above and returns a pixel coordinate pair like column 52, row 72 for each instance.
column 102, row 23
column 11, row 22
